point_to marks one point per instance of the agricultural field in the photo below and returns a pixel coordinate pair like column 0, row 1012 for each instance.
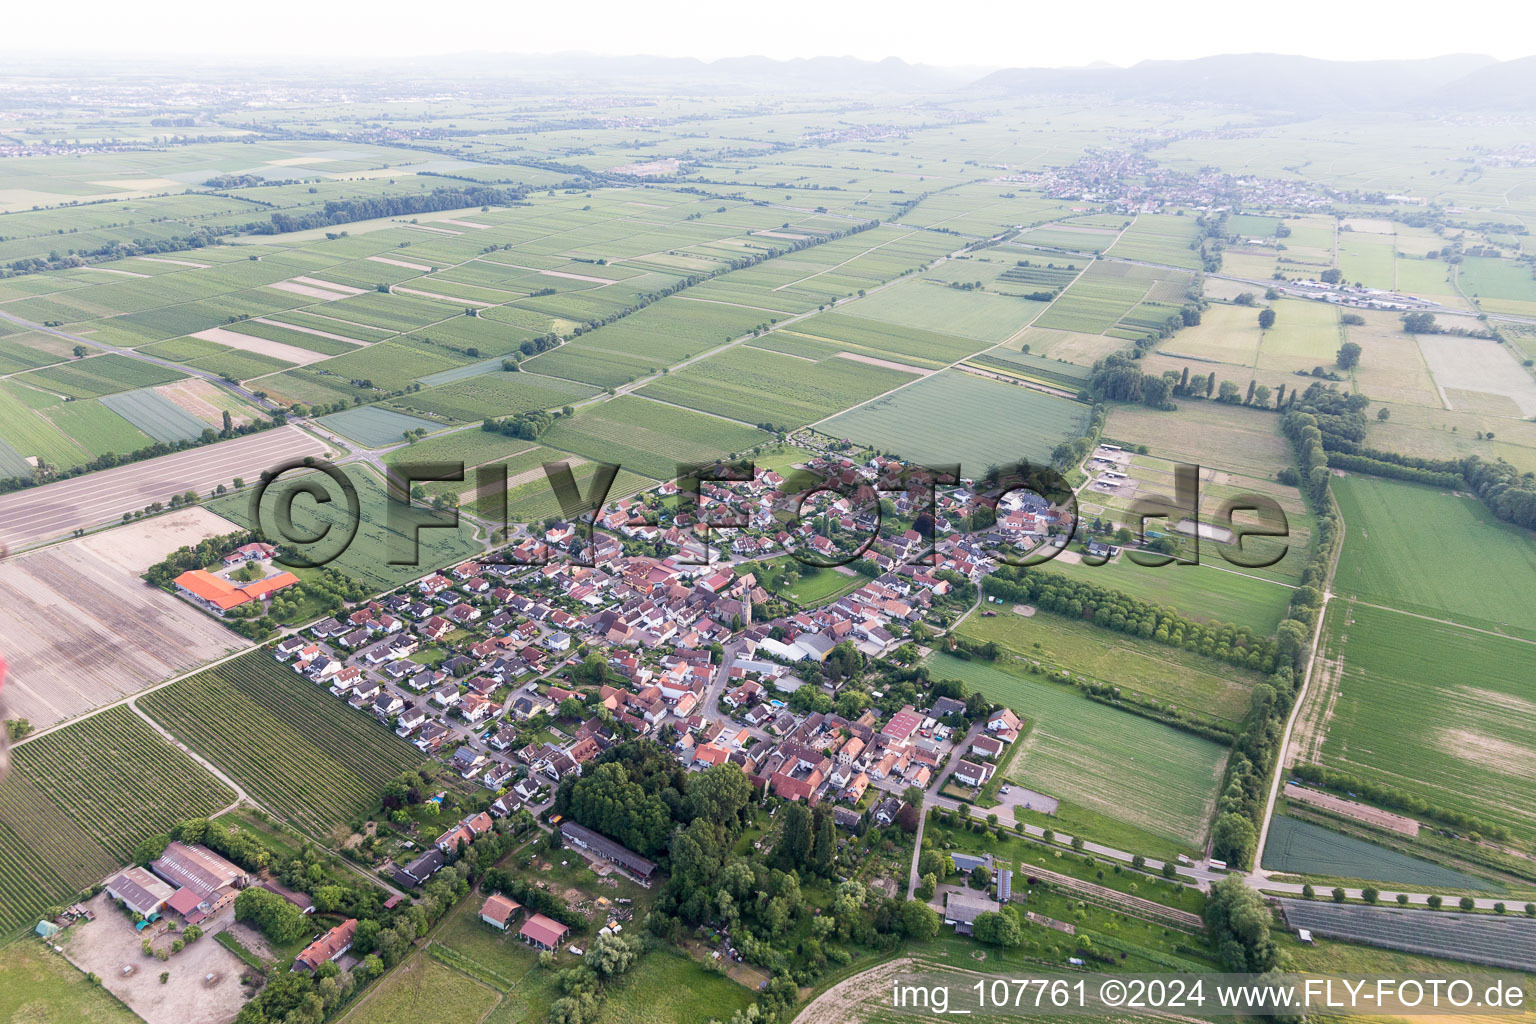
column 1160, row 238
column 82, row 629
column 1302, row 848
column 1139, row 667
column 649, row 438
column 89, row 817
column 755, row 385
column 1434, row 709
column 1486, row 577
column 375, row 427
column 1499, row 286
column 1228, row 438
column 98, row 375
column 1206, row 592
column 97, row 428
column 1097, row 300
column 493, row 395
column 932, row 349
column 1054, row 373
column 1116, row 764
column 955, row 416
column 296, row 749
column 1479, row 939
column 367, row 558
column 930, row 305
column 155, row 415
column 1479, row 375
column 41, row 512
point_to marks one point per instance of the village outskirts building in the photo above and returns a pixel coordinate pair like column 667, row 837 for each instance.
column 330, row 946
column 961, row 909
column 601, row 846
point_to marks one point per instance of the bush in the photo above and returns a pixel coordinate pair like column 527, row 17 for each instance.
column 1338, row 894
column 1467, row 903
column 1369, row 894
column 1435, row 902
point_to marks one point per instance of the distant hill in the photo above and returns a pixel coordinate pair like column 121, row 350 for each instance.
column 1271, row 81
column 1510, row 85
column 757, row 73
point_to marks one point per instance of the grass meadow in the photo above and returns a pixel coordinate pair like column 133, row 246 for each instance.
column 1139, row 667
column 1116, row 764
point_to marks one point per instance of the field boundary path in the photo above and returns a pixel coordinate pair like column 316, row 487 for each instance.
column 1258, row 874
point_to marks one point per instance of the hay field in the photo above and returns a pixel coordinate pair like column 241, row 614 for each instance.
column 1480, row 366
column 1228, row 438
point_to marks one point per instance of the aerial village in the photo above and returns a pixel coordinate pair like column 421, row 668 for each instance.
column 688, row 649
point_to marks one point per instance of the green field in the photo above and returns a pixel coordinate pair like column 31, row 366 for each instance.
column 666, row 987
column 1055, row 372
column 99, row 375
column 1160, row 238
column 1116, row 764
column 813, row 586
column 367, row 557
column 89, row 815
column 754, row 385
column 375, row 427
column 299, row 751
column 1437, row 710
column 1203, row 592
column 930, row 305
column 1485, row 577
column 955, row 416
column 494, row 394
column 38, row 985
column 1140, row 667
column 156, row 415
column 929, row 348
column 1303, row 848
column 424, row 990
column 97, row 427
column 649, row 438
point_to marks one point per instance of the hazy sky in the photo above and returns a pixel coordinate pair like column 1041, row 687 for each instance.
column 1013, row 33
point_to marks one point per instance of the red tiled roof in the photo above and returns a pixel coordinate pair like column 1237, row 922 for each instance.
column 543, row 930
column 500, row 909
